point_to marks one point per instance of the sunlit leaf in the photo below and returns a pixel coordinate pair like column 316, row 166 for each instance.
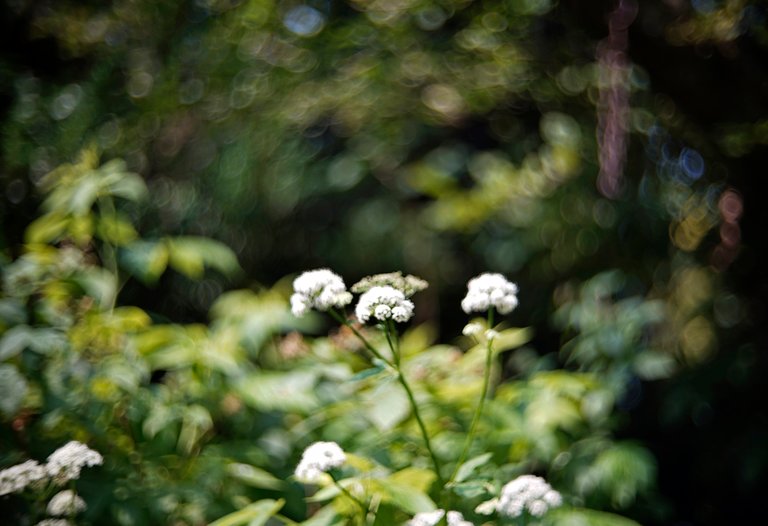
column 256, row 514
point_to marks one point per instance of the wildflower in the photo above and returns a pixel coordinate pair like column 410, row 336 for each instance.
column 490, row 290
column 54, row 522
column 408, row 285
column 318, row 459
column 318, row 289
column 65, row 503
column 527, row 493
column 384, row 303
column 18, row 477
column 431, row 518
column 491, row 335
column 66, row 462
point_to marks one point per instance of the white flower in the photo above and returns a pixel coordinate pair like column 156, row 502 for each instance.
column 18, row 477
column 65, row 503
column 490, row 290
column 66, row 462
column 491, row 335
column 317, row 459
column 527, row 492
column 318, row 289
column 383, row 303
column 54, row 522
column 431, row 518
column 472, row 329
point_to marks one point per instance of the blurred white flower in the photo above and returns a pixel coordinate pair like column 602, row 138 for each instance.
column 65, row 503
column 472, row 329
column 318, row 289
column 317, row 459
column 54, row 522
column 527, row 492
column 383, row 303
column 431, row 518
column 18, row 477
column 491, row 335
column 490, row 290
column 66, row 462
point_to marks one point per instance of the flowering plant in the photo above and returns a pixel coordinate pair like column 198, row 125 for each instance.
column 429, row 462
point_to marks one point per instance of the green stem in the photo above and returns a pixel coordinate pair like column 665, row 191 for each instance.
column 354, row 499
column 481, row 403
column 344, row 321
column 412, row 399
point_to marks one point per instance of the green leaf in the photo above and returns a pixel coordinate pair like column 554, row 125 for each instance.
column 129, row 186
column 253, row 476
column 13, row 389
column 14, row 341
column 46, row 229
column 190, row 256
column 654, row 365
column 146, row 260
column 404, row 496
column 98, row 283
column 566, row 516
column 196, row 421
column 48, row 341
column 256, row 514
column 471, row 489
column 326, row 516
column 418, row 478
column 386, row 405
column 116, row 230
column 471, row 465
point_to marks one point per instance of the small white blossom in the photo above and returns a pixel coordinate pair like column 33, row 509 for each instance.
column 431, row 518
column 318, row 289
column 54, row 522
column 472, row 329
column 384, row 303
column 66, row 462
column 527, row 492
column 487, row 507
column 491, row 335
column 490, row 290
column 18, row 477
column 65, row 503
column 317, row 459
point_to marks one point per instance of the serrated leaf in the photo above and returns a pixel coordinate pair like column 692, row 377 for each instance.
column 471, row 465
column 256, row 514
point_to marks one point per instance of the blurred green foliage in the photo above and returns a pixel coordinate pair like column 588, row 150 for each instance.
column 437, row 137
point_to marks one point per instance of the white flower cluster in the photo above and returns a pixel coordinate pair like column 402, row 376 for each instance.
column 384, row 303
column 18, row 477
column 65, row 503
column 54, row 522
column 318, row 289
column 490, row 290
column 66, row 462
column 317, row 459
column 431, row 518
column 527, row 492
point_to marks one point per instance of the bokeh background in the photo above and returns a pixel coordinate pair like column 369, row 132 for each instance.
column 606, row 156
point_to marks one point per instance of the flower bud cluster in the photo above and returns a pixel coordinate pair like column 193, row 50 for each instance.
column 431, row 518
column 18, row 477
column 65, row 504
column 527, row 493
column 318, row 289
column 384, row 303
column 317, row 459
column 490, row 290
column 65, row 463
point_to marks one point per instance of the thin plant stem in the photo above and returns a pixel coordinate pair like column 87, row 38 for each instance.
column 389, row 326
column 344, row 321
column 481, row 403
column 354, row 499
